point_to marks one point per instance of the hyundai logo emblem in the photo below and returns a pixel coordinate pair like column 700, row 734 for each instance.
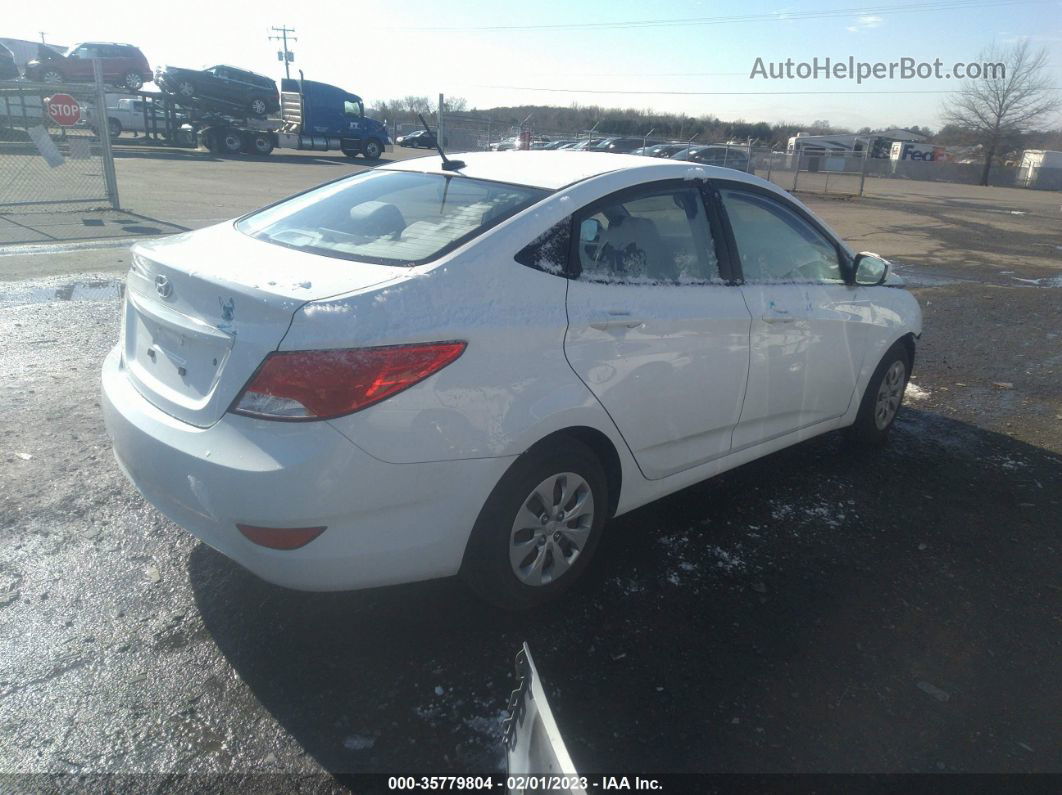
column 163, row 286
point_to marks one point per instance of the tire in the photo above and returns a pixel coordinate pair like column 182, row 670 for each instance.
column 372, row 149
column 52, row 76
column 114, row 127
column 883, row 398
column 258, row 143
column 350, row 150
column 257, row 107
column 514, row 521
column 212, row 141
column 132, row 81
column 185, row 89
column 230, row 142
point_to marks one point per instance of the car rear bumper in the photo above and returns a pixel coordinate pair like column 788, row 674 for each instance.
column 387, row 523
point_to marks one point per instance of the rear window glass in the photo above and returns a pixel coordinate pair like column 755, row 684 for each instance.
column 389, row 217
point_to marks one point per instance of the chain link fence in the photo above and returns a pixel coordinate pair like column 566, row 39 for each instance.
column 45, row 166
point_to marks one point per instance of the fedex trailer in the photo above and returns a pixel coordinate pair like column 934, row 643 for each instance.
column 920, row 153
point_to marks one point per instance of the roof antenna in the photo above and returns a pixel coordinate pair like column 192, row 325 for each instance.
column 447, row 164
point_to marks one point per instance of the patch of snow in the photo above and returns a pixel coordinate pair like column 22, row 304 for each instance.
column 359, row 742
column 915, row 392
column 729, row 562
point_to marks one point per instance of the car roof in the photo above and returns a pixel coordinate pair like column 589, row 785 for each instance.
column 554, row 169
column 238, row 69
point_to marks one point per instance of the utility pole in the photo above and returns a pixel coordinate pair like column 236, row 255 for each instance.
column 439, row 122
column 42, row 36
column 288, row 56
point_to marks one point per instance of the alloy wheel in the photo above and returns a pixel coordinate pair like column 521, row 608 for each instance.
column 890, row 393
column 551, row 529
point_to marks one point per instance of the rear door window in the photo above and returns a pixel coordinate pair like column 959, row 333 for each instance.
column 659, row 235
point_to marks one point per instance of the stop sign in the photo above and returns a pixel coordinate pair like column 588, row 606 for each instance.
column 63, row 110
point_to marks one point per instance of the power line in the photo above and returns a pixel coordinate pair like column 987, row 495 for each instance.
column 776, row 16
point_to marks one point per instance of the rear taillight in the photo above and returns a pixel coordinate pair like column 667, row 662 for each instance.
column 280, row 537
column 319, row 385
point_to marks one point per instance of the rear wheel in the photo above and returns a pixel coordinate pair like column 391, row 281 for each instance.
column 539, row 527
column 373, row 149
column 258, row 143
column 883, row 397
column 114, row 127
column 132, row 81
column 257, row 107
column 52, row 76
column 186, row 89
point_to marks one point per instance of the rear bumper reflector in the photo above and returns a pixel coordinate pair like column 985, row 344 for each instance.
column 280, row 537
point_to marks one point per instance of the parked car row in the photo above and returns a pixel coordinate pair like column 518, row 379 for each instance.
column 729, row 155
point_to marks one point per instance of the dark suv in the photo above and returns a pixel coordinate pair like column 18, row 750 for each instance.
column 223, row 88
column 123, row 65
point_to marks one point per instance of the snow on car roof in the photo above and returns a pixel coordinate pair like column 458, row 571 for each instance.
column 552, row 169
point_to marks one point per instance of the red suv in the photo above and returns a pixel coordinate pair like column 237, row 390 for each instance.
column 123, row 65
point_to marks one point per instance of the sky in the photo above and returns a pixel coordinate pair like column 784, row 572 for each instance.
column 692, row 57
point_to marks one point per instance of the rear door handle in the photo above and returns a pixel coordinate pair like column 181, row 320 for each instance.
column 616, row 318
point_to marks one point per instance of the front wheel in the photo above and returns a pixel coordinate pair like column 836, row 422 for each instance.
column 372, row 149
column 883, row 397
column 539, row 527
column 114, row 127
column 52, row 76
column 257, row 107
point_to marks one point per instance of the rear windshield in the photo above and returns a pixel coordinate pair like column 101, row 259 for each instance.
column 389, row 217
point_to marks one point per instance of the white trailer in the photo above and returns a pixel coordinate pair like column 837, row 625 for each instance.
column 1041, row 158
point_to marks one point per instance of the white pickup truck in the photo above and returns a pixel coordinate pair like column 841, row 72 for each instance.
column 127, row 115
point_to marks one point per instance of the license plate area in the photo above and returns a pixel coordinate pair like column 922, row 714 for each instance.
column 173, row 356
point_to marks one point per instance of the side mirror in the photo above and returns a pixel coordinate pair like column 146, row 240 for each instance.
column 869, row 269
column 589, row 230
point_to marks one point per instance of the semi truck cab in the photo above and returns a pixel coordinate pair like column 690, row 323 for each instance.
column 321, row 117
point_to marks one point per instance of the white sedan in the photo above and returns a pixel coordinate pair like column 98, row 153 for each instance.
column 439, row 367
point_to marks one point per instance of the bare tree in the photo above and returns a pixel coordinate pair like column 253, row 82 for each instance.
column 997, row 109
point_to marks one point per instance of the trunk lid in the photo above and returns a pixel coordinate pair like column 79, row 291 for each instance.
column 203, row 309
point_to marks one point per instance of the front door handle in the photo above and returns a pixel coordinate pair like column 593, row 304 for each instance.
column 616, row 318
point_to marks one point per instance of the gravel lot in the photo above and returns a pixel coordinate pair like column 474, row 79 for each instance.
column 824, row 609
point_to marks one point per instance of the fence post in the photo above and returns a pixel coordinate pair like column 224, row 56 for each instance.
column 103, row 130
column 770, row 164
column 796, row 171
column 863, row 171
